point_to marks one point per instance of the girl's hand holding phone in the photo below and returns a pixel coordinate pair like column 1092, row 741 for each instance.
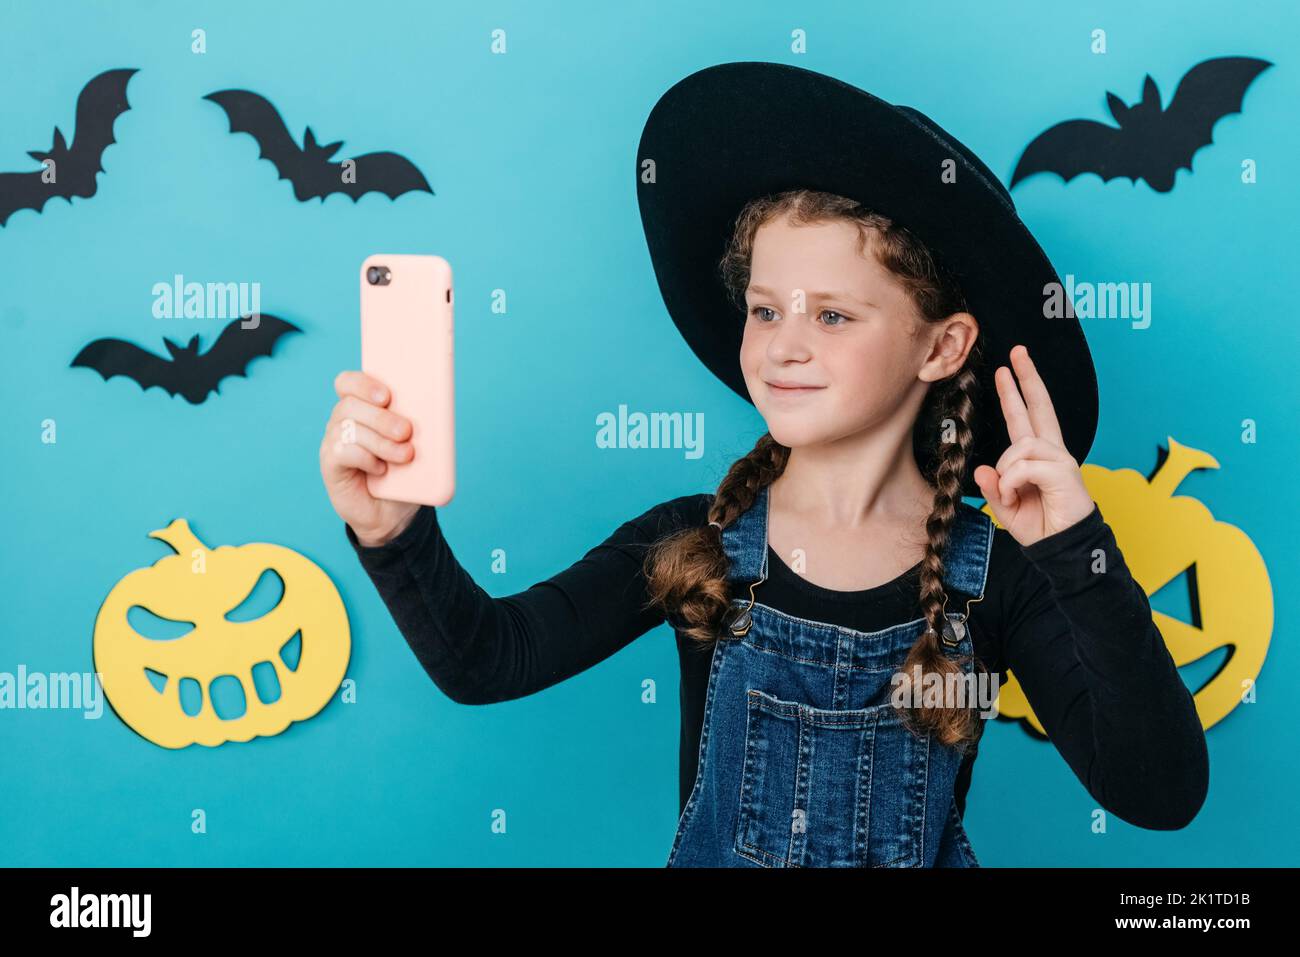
column 361, row 437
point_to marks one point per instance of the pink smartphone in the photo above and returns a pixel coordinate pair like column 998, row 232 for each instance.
column 406, row 343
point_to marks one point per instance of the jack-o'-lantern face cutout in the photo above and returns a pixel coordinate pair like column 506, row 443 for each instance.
column 298, row 648
column 1163, row 536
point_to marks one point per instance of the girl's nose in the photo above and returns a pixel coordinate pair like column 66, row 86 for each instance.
column 790, row 338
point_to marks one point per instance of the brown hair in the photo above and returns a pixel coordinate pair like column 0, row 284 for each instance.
column 687, row 570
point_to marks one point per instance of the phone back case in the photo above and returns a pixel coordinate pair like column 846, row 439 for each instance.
column 406, row 343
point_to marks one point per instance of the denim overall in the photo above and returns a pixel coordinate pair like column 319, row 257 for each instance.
column 803, row 760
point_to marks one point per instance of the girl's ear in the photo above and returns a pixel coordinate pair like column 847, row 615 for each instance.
column 951, row 341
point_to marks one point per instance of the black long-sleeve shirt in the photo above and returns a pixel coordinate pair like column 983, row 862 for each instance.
column 1082, row 644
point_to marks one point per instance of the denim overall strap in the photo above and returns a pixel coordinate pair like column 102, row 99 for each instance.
column 745, row 541
column 804, row 760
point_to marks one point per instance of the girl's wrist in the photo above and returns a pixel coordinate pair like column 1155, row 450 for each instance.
column 365, row 541
column 1065, row 538
column 380, row 539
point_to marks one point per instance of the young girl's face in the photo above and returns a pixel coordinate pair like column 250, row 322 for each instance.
column 854, row 341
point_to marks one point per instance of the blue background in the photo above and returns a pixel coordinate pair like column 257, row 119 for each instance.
column 532, row 158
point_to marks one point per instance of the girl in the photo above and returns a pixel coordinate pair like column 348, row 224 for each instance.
column 806, row 740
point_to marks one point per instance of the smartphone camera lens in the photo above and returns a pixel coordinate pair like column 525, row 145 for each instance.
column 378, row 275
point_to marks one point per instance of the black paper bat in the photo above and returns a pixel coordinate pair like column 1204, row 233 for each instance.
column 100, row 102
column 309, row 167
column 186, row 372
column 1150, row 143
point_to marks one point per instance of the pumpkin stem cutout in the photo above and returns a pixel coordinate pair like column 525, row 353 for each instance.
column 203, row 586
column 180, row 537
column 1181, row 462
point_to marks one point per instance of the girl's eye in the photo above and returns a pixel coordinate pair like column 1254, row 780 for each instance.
column 760, row 311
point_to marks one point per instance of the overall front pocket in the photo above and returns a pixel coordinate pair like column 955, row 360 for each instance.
column 823, row 788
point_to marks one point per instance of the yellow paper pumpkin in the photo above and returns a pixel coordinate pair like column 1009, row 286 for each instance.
column 1163, row 535
column 202, row 586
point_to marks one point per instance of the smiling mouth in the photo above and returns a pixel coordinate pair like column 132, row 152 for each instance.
column 784, row 390
column 285, row 662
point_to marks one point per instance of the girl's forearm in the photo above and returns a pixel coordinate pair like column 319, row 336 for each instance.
column 1116, row 697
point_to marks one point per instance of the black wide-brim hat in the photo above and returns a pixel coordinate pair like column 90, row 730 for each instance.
column 729, row 133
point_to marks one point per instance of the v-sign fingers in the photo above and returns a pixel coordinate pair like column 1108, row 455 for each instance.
column 1042, row 414
column 1013, row 406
